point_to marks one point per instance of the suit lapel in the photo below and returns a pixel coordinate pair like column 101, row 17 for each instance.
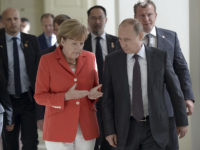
column 62, row 61
column 123, row 61
column 27, row 50
column 3, row 49
column 123, row 73
column 44, row 40
column 150, row 67
column 110, row 44
column 162, row 42
column 80, row 63
column 88, row 44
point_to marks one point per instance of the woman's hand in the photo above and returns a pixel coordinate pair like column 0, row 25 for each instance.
column 94, row 93
column 72, row 93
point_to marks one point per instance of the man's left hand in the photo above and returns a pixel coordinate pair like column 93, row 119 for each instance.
column 181, row 131
column 189, row 106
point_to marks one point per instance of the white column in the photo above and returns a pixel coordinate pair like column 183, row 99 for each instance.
column 195, row 69
column 110, row 9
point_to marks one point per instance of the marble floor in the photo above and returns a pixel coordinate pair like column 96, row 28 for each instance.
column 41, row 145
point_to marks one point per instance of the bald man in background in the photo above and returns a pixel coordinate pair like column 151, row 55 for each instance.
column 19, row 54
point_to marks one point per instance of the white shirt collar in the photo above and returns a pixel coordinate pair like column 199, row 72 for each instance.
column 9, row 37
column 153, row 32
column 141, row 53
column 103, row 36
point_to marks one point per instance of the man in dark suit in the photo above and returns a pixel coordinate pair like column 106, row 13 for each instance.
column 133, row 107
column 47, row 38
column 101, row 44
column 166, row 40
column 5, row 103
column 19, row 53
column 97, row 20
column 58, row 20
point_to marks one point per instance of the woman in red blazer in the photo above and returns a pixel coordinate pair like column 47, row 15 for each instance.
column 67, row 84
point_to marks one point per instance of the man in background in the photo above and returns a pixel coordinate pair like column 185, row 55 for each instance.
column 47, row 38
column 58, row 20
column 166, row 40
column 100, row 43
column 19, row 54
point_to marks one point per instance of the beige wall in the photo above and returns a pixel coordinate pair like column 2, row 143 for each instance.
column 76, row 9
column 31, row 9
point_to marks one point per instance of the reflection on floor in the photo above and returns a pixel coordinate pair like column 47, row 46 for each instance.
column 41, row 145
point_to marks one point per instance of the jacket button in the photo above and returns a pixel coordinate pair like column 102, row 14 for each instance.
column 75, row 79
column 77, row 103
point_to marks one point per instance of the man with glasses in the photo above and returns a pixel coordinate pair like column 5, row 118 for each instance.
column 101, row 44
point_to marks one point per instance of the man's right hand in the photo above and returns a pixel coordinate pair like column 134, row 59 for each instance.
column 10, row 128
column 40, row 124
column 112, row 140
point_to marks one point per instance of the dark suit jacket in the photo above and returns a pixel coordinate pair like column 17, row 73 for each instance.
column 54, row 78
column 112, row 45
column 116, row 98
column 5, row 103
column 30, row 48
column 39, row 108
column 168, row 41
column 48, row 50
column 42, row 41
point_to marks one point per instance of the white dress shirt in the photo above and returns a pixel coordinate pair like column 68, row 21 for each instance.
column 102, row 42
column 53, row 39
column 143, row 68
column 25, row 82
column 153, row 39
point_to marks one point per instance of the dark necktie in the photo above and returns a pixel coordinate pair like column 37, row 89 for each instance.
column 17, row 79
column 149, row 36
column 137, row 103
column 99, row 58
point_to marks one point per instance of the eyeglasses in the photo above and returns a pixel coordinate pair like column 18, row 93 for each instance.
column 101, row 18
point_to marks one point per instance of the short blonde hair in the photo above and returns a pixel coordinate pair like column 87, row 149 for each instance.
column 137, row 26
column 72, row 29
